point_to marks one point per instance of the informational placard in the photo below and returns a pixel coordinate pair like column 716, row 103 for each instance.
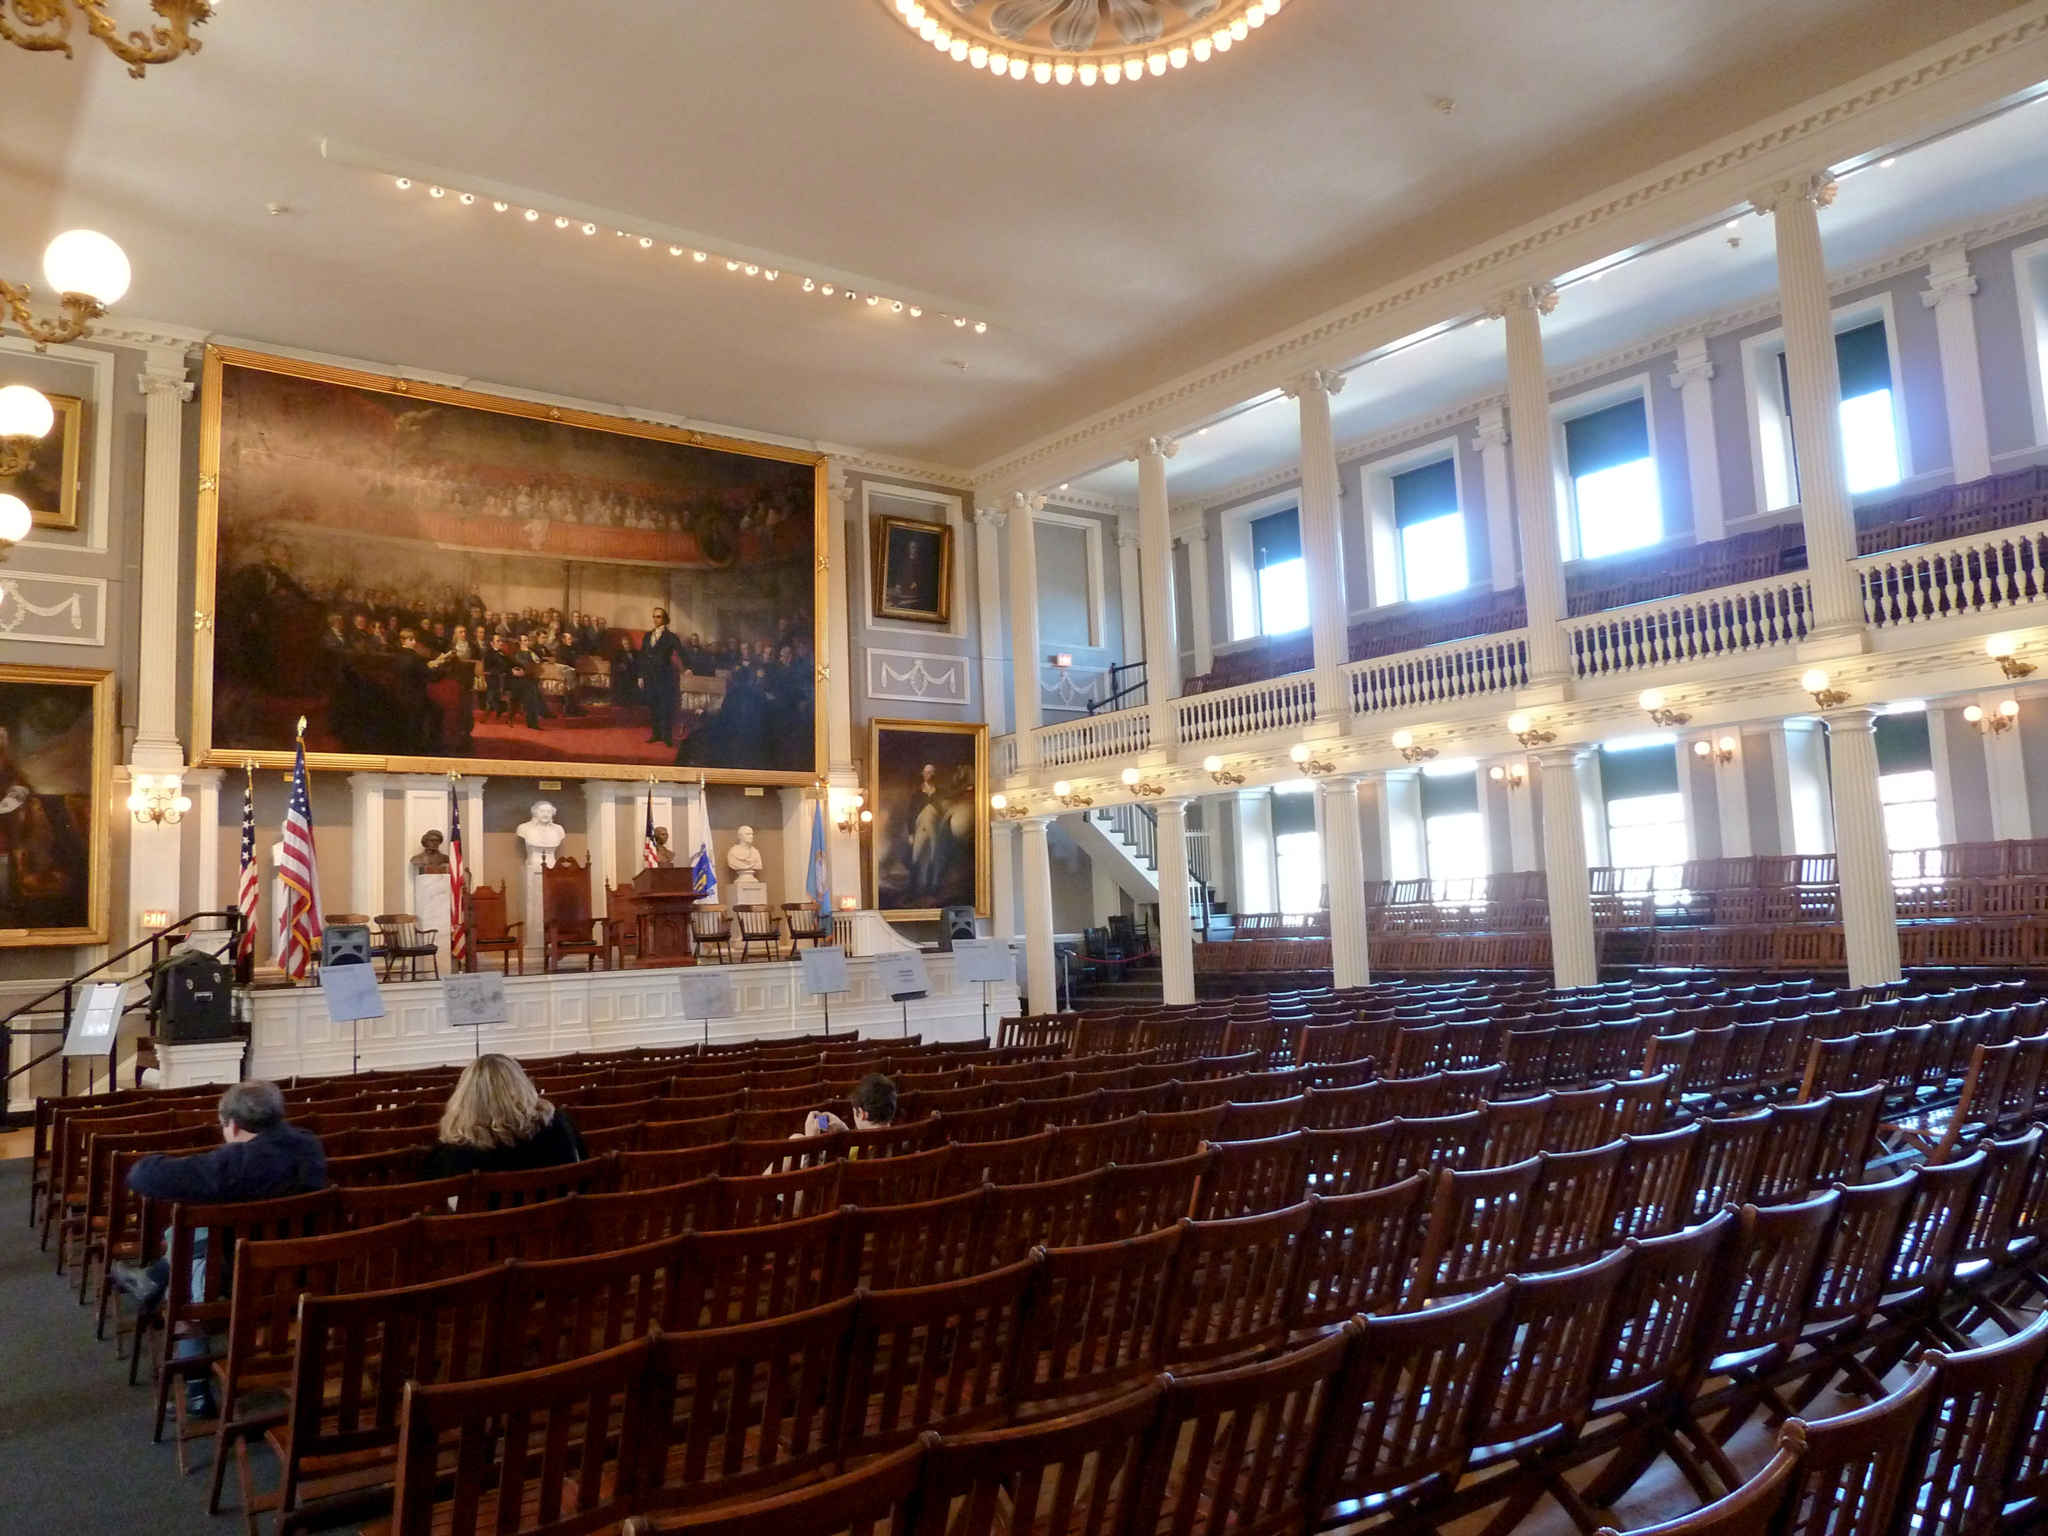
column 824, row 971
column 708, row 994
column 476, row 1000
column 902, row 975
column 95, row 1020
column 351, row 993
column 983, row 960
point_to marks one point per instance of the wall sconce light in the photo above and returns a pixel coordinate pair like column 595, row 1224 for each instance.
column 1722, row 751
column 1510, row 775
column 1303, row 757
column 1134, row 781
column 157, row 800
column 1004, row 811
column 1523, row 729
column 853, row 814
column 1652, row 701
column 1063, row 792
column 155, row 919
column 2002, row 649
column 2006, row 717
column 1404, row 743
column 1815, row 682
column 26, row 417
column 1213, row 766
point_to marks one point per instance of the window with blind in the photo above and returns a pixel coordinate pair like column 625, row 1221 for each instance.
column 1454, row 831
column 1613, row 479
column 1905, row 786
column 1297, row 851
column 1870, row 435
column 1430, row 527
column 1280, row 577
column 1645, row 812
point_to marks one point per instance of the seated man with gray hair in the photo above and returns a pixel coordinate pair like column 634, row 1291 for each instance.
column 262, row 1155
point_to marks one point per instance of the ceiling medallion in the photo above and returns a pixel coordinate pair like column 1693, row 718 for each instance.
column 1063, row 42
column 44, row 26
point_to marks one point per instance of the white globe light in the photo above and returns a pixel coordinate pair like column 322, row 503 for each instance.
column 15, row 519
column 86, row 261
column 24, row 412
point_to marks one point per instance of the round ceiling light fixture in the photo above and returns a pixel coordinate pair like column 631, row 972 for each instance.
column 1083, row 42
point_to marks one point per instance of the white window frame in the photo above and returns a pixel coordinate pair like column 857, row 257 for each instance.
column 1569, row 408
column 1770, row 441
column 2032, row 290
column 953, row 508
column 1098, row 602
column 1383, row 540
column 1241, row 582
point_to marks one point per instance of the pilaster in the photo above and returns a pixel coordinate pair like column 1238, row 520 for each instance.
column 1692, row 377
column 1155, row 558
column 203, row 891
column 835, row 680
column 988, row 585
column 1731, row 800
column 601, row 837
column 1401, row 831
column 2005, row 774
column 1950, row 288
column 1024, row 659
column 1251, row 824
column 366, row 887
column 1870, row 925
column 1002, row 879
column 1130, row 590
column 1203, row 637
column 1491, row 441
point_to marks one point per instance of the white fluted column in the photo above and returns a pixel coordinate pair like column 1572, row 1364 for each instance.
column 1870, row 924
column 366, row 887
column 1155, row 560
column 1203, row 636
column 1574, row 956
column 1950, row 288
column 1024, row 629
column 1692, row 377
column 1176, row 932
column 1535, row 479
column 601, row 838
column 1731, row 798
column 1002, row 880
column 1344, row 872
column 988, row 585
column 1491, row 440
column 1322, row 541
column 1130, row 590
column 1041, row 987
column 1816, row 389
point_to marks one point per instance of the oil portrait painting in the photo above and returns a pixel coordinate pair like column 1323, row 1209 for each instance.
column 56, row 731
column 929, row 841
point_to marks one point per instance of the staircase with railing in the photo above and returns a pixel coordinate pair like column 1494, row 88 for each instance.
column 1135, row 827
column 1123, row 687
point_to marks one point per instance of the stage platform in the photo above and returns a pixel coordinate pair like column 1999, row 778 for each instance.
column 291, row 1034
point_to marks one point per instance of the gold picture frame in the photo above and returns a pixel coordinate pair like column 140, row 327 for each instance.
column 56, row 766
column 49, row 484
column 912, row 570
column 208, row 621
column 913, row 871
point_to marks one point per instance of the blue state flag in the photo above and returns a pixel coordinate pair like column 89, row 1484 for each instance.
column 819, row 886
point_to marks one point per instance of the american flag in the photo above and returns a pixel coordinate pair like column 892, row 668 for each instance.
column 649, row 856
column 299, row 869
column 458, row 936
column 245, row 893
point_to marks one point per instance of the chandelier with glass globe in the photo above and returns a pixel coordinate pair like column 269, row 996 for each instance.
column 1083, row 42
column 44, row 26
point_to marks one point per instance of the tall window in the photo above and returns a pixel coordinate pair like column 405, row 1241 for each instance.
column 1646, row 827
column 1870, row 435
column 1613, row 479
column 1297, row 851
column 1905, row 785
column 1454, row 831
column 1431, row 528
column 1282, row 577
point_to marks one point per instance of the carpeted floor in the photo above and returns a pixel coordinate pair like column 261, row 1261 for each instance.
column 75, row 1453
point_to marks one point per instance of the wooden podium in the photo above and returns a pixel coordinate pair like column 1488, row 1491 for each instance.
column 660, row 911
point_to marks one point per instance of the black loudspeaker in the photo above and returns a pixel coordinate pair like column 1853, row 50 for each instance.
column 194, row 999
column 955, row 923
column 345, row 944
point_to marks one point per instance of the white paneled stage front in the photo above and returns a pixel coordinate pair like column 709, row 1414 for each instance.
column 291, row 1034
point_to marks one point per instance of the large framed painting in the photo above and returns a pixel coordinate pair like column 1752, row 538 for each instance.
column 913, row 570
column 56, row 750
column 442, row 580
column 928, row 788
column 49, row 481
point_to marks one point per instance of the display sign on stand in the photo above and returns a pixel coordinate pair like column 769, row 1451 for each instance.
column 986, row 961
column 476, row 1001
column 95, row 1027
column 824, row 973
column 708, row 995
column 352, row 996
column 902, row 975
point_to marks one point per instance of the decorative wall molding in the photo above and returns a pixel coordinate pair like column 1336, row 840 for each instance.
column 916, row 677
column 1069, row 687
column 53, row 610
column 1088, row 501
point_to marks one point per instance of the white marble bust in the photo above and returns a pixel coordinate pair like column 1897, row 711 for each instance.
column 743, row 858
column 541, row 834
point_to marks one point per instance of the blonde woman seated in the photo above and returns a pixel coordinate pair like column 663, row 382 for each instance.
column 497, row 1120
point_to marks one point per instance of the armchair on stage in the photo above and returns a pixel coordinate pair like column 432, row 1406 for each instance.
column 568, row 929
column 490, row 933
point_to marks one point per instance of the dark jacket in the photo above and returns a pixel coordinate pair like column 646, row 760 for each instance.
column 555, row 1143
column 283, row 1160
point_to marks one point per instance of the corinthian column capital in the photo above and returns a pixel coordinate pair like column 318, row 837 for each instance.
column 1818, row 188
column 1330, row 381
column 1024, row 503
column 156, row 381
column 1541, row 297
column 990, row 517
column 1156, row 447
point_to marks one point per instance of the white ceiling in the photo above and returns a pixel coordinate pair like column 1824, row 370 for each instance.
column 1113, row 237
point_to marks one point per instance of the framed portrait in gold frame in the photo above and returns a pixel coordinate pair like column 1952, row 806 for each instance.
column 56, row 752
column 928, row 844
column 49, row 482
column 913, row 570
column 443, row 580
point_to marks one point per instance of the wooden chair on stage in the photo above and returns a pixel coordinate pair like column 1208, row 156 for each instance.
column 569, row 930
column 760, row 928
column 806, row 922
column 400, row 938
column 711, row 929
column 489, row 932
column 622, row 923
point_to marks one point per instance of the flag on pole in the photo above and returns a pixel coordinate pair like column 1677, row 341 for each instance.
column 251, row 883
column 819, row 884
column 458, row 926
column 650, row 854
column 299, row 869
column 703, row 875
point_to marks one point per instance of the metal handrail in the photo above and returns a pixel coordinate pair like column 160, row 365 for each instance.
column 1120, row 694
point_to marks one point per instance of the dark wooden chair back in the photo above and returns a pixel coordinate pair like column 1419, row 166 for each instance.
column 1246, row 1177
column 925, row 1243
column 1233, row 1286
column 1853, row 1467
column 874, row 1500
column 1097, row 1319
column 1078, row 1472
column 1358, row 1250
column 745, row 1276
column 1135, row 1198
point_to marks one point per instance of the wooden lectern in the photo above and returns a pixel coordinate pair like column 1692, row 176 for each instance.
column 660, row 911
